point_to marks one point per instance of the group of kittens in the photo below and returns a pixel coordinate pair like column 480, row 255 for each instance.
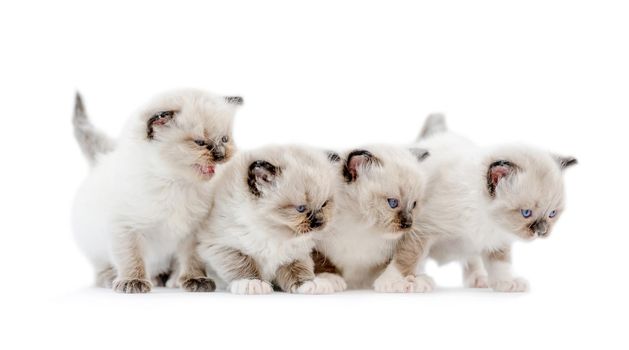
column 173, row 203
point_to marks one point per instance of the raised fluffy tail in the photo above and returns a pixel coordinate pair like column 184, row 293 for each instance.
column 92, row 142
column 434, row 124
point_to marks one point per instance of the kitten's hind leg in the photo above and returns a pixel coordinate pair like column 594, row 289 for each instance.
column 105, row 277
column 132, row 276
column 192, row 275
column 236, row 268
column 325, row 269
column 474, row 274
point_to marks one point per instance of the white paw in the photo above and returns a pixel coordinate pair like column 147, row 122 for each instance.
column 476, row 280
column 250, row 286
column 338, row 282
column 515, row 285
column 315, row 286
column 409, row 284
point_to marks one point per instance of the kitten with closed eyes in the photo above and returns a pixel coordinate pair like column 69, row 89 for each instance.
column 379, row 204
column 480, row 200
column 268, row 206
column 147, row 191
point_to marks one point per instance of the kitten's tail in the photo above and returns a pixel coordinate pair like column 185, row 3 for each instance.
column 91, row 141
column 434, row 124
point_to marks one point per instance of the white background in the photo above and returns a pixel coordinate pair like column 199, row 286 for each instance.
column 332, row 74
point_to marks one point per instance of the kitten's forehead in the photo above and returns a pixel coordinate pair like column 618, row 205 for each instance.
column 197, row 111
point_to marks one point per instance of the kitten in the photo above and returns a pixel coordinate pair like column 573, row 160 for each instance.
column 267, row 207
column 378, row 206
column 148, row 190
column 479, row 201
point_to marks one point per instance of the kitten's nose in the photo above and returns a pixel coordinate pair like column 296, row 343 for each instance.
column 218, row 155
column 540, row 228
column 317, row 220
column 406, row 220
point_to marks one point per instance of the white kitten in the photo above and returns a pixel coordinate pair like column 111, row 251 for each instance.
column 267, row 206
column 149, row 190
column 479, row 201
column 378, row 205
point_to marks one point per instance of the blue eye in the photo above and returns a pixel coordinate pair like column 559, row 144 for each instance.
column 552, row 214
column 300, row 208
column 393, row 203
column 526, row 213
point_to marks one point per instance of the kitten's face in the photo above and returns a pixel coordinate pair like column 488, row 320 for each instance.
column 191, row 131
column 527, row 191
column 385, row 187
column 293, row 189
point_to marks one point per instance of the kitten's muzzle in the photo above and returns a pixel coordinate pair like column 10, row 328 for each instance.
column 406, row 220
column 540, row 228
column 316, row 220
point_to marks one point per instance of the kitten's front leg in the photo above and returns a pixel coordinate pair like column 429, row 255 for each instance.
column 498, row 263
column 474, row 274
column 299, row 277
column 127, row 256
column 325, row 269
column 192, row 275
column 236, row 268
column 404, row 274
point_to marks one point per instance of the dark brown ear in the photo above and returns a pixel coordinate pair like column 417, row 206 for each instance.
column 235, row 100
column 497, row 171
column 420, row 153
column 357, row 161
column 157, row 120
column 565, row 162
column 261, row 175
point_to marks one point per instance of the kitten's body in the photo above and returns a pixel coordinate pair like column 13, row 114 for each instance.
column 366, row 233
column 144, row 196
column 254, row 236
column 473, row 202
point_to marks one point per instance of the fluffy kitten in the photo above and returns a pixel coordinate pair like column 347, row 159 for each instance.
column 378, row 206
column 479, row 201
column 267, row 206
column 147, row 191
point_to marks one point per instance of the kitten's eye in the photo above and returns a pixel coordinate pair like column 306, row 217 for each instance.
column 300, row 208
column 526, row 213
column 552, row 214
column 414, row 204
column 225, row 139
column 200, row 142
column 324, row 204
column 393, row 203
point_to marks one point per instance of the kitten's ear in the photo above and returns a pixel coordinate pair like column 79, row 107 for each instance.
column 357, row 162
column 262, row 174
column 420, row 153
column 565, row 162
column 497, row 171
column 333, row 157
column 158, row 120
column 234, row 100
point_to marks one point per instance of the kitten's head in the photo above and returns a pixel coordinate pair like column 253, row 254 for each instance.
column 525, row 187
column 292, row 188
column 190, row 130
column 384, row 186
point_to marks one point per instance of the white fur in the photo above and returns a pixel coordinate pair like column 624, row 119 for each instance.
column 133, row 193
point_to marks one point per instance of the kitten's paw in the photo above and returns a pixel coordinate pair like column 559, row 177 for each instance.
column 409, row 284
column 250, row 286
column 132, row 286
column 476, row 280
column 423, row 284
column 315, row 286
column 199, row 284
column 516, row 285
column 338, row 282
